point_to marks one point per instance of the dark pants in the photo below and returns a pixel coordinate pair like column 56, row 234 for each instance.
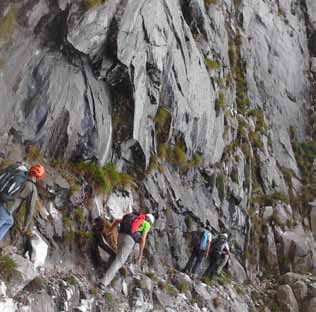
column 194, row 262
column 216, row 265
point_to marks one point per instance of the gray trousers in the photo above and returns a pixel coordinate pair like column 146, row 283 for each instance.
column 125, row 246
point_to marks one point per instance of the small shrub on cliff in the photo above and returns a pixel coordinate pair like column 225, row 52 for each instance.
column 8, row 23
column 90, row 4
column 210, row 2
column 161, row 117
column 33, row 153
column 162, row 151
column 220, row 185
column 211, row 64
column 170, row 290
column 37, row 284
column 220, row 102
column 95, row 174
column 108, row 298
column 179, row 156
column 183, row 286
column 8, row 268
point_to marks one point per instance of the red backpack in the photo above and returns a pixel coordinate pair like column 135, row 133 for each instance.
column 131, row 222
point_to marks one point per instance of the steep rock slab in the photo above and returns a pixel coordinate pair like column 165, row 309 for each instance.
column 166, row 67
column 272, row 37
column 50, row 95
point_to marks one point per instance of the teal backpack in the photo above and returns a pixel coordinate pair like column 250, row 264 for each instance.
column 204, row 240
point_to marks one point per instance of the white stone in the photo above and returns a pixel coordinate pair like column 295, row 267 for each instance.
column 7, row 305
column 267, row 213
column 40, row 249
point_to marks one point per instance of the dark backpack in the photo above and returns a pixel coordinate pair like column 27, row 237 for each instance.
column 130, row 223
column 12, row 180
column 217, row 245
column 196, row 239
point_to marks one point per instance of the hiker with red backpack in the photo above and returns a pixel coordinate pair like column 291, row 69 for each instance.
column 134, row 228
column 17, row 185
column 201, row 241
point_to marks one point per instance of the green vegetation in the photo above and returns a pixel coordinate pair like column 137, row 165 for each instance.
column 94, row 292
column 179, row 156
column 95, row 174
column 71, row 280
column 37, row 284
column 189, row 222
column 234, row 175
column 211, row 64
column 8, row 23
column 162, row 151
column 224, row 278
column 33, row 153
column 238, row 69
column 210, row 2
column 260, row 123
column 67, row 222
column 170, row 289
column 78, row 215
column 108, row 298
column 183, row 286
column 161, row 117
column 271, row 199
column 8, row 268
column 89, row 4
column 220, row 185
column 68, row 235
column 255, row 140
column 197, row 159
column 220, row 102
column 276, row 218
column 103, row 179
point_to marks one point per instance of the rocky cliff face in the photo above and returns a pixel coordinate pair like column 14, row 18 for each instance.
column 209, row 107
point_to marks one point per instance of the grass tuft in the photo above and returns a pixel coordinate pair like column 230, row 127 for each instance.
column 8, row 268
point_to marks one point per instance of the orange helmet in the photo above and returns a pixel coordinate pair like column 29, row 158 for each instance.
column 37, row 171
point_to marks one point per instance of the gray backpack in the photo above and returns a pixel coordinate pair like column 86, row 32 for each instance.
column 12, row 180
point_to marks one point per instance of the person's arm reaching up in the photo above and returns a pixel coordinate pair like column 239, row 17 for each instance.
column 141, row 247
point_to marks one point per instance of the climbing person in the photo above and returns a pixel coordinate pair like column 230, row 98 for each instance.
column 104, row 237
column 219, row 255
column 134, row 228
column 17, row 186
column 201, row 241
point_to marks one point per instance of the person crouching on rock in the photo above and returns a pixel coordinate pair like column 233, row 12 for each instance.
column 17, row 186
column 134, row 228
column 105, row 237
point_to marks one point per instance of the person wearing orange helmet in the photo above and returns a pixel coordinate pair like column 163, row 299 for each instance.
column 17, row 186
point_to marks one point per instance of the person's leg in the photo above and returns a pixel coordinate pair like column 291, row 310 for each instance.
column 6, row 221
column 188, row 267
column 125, row 246
column 211, row 268
column 198, row 262
column 221, row 263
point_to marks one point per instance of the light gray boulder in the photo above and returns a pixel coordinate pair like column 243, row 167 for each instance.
column 286, row 299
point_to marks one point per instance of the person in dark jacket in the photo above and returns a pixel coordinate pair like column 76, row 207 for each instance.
column 201, row 241
column 219, row 256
